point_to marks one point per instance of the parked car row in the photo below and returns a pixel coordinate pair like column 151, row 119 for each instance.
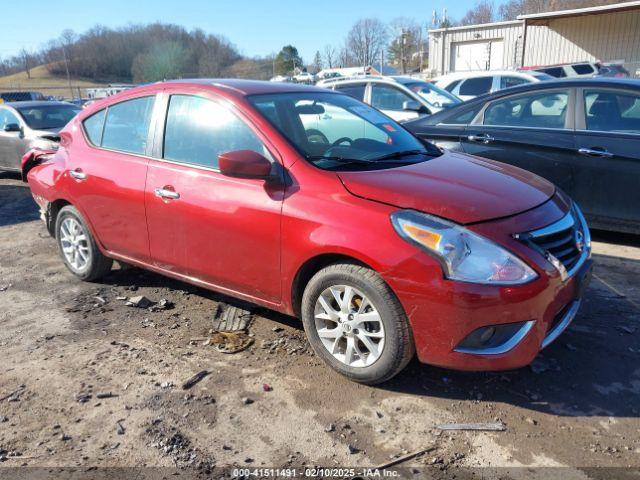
column 583, row 135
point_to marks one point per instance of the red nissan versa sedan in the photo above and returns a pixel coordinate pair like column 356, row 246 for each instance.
column 309, row 202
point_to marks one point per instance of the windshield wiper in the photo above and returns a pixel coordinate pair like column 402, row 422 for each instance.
column 359, row 161
column 400, row 154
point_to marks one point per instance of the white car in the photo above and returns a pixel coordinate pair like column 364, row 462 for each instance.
column 401, row 98
column 572, row 70
column 304, row 77
column 468, row 85
column 280, row 78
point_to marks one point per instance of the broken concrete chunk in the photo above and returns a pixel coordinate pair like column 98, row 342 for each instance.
column 139, row 302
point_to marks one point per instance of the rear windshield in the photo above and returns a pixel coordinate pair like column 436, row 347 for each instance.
column 48, row 116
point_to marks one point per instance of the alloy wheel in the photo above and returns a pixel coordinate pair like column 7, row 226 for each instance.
column 75, row 244
column 349, row 326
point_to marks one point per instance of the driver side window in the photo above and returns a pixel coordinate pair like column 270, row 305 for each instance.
column 537, row 110
column 386, row 97
column 6, row 117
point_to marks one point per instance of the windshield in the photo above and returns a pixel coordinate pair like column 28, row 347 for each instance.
column 337, row 132
column 433, row 95
column 45, row 117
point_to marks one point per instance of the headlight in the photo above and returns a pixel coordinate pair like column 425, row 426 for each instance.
column 464, row 255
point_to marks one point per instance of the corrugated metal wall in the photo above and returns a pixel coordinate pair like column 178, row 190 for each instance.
column 510, row 33
column 606, row 37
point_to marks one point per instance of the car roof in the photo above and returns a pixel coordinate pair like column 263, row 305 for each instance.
column 241, row 87
column 594, row 82
column 480, row 73
column 35, row 103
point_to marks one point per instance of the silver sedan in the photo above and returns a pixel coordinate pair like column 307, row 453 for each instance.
column 26, row 125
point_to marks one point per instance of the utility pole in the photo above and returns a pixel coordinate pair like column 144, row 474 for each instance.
column 403, row 41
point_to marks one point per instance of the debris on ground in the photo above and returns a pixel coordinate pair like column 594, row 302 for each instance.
column 404, row 458
column 489, row 427
column 120, row 428
column 247, row 400
column 139, row 302
column 15, row 395
column 230, row 318
column 194, row 379
column 106, row 395
column 163, row 304
column 5, row 287
column 266, row 387
column 229, row 342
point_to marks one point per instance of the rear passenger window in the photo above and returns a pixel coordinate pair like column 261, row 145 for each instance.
column 476, row 86
column 610, row 111
column 583, row 69
column 557, row 72
column 355, row 91
column 127, row 125
column 508, row 82
column 540, row 110
column 198, row 130
column 93, row 127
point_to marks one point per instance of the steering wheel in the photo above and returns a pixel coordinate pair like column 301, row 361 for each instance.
column 342, row 140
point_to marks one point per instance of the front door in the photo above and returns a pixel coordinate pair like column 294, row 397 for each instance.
column 530, row 131
column 391, row 100
column 608, row 159
column 216, row 229
column 11, row 143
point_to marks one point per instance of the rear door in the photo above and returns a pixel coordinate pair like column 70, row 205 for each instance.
column 216, row 229
column 532, row 130
column 107, row 177
column 608, row 162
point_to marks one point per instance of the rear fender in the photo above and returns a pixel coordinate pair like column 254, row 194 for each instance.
column 32, row 158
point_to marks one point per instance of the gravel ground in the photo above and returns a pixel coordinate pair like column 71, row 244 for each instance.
column 87, row 381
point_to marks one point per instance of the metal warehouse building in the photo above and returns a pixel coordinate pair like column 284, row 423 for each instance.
column 607, row 33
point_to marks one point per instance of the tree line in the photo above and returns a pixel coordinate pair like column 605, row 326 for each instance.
column 147, row 53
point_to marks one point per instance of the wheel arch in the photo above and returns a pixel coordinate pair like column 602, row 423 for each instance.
column 312, row 266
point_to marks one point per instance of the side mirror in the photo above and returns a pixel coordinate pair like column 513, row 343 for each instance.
column 413, row 106
column 244, row 164
column 12, row 127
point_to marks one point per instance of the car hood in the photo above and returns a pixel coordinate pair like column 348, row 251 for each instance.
column 455, row 186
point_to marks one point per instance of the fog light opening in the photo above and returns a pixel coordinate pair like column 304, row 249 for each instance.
column 494, row 339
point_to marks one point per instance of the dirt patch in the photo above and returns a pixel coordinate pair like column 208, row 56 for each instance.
column 93, row 381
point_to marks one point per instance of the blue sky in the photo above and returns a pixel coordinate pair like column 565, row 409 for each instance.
column 255, row 27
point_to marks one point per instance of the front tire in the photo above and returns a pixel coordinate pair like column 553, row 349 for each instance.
column 78, row 248
column 356, row 324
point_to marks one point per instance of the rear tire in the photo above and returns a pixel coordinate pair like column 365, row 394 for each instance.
column 78, row 248
column 356, row 324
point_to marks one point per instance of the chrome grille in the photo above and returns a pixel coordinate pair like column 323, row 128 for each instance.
column 566, row 241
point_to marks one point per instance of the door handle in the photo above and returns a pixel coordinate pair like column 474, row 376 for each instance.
column 595, row 152
column 483, row 138
column 164, row 193
column 78, row 174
